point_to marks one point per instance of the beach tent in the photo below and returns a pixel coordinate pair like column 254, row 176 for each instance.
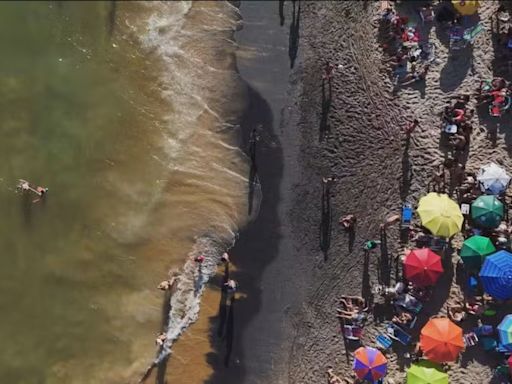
column 369, row 364
column 465, row 8
column 440, row 214
column 493, row 179
column 496, row 275
column 426, row 372
column 441, row 340
column 505, row 332
column 475, row 248
column 487, row 211
column 422, row 267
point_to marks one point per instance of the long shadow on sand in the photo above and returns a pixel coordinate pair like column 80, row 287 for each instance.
column 326, row 220
column 326, row 107
column 255, row 249
column 293, row 46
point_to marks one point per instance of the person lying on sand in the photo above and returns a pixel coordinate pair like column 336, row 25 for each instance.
column 356, row 316
column 333, row 379
column 353, row 302
column 416, row 76
column 403, row 318
column 456, row 312
column 458, row 141
column 348, row 222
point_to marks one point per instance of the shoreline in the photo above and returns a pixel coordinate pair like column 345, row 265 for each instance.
column 262, row 255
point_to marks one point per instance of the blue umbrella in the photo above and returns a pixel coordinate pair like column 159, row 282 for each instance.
column 505, row 332
column 496, row 275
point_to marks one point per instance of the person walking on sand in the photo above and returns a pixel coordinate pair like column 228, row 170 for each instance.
column 410, row 127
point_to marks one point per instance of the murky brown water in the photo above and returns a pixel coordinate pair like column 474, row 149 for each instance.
column 130, row 126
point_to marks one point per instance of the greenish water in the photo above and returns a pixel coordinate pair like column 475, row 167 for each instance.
column 110, row 123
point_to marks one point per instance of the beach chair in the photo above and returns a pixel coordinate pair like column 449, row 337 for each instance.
column 398, row 334
column 409, row 303
column 484, row 330
column 470, row 339
column 506, row 350
column 488, row 343
column 384, row 342
column 407, row 213
column 472, row 33
column 352, row 332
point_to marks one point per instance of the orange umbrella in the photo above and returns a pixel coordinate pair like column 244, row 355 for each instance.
column 441, row 340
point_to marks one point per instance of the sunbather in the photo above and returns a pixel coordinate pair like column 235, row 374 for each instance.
column 402, row 319
column 456, row 313
column 416, row 76
column 353, row 302
column 333, row 379
column 357, row 316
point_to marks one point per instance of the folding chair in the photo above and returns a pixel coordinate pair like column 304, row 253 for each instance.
column 383, row 341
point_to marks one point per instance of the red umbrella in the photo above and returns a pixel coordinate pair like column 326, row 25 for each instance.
column 422, row 267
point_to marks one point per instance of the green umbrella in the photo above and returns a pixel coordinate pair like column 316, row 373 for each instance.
column 487, row 211
column 426, row 373
column 475, row 249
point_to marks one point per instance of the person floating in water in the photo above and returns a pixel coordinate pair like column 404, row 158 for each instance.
column 25, row 186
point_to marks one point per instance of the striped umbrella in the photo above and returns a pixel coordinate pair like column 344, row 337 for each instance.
column 369, row 364
column 496, row 275
column 505, row 332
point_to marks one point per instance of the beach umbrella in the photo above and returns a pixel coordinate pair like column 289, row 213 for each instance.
column 509, row 362
column 487, row 211
column 369, row 364
column 475, row 248
column 493, row 179
column 496, row 275
column 423, row 267
column 465, row 8
column 440, row 214
column 426, row 372
column 441, row 340
column 505, row 331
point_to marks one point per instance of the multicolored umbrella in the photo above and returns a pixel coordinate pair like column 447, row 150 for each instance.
column 487, row 211
column 440, row 214
column 423, row 267
column 496, row 275
column 426, row 372
column 369, row 364
column 441, row 340
column 505, row 331
column 475, row 248
column 493, row 179
column 465, row 8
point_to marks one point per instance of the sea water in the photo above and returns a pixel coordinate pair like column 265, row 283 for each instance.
column 127, row 113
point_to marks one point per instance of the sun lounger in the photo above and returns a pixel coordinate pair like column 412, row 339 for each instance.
column 488, row 343
column 407, row 213
column 383, row 341
column 507, row 350
column 484, row 330
column 470, row 339
column 398, row 334
column 409, row 303
column 352, row 332
column 471, row 34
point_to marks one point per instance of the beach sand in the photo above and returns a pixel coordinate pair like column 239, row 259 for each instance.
column 287, row 331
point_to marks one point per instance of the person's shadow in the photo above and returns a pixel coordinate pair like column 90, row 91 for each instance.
column 230, row 331
column 293, row 45
column 223, row 302
column 326, row 106
column 253, row 179
column 326, row 220
column 281, row 12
